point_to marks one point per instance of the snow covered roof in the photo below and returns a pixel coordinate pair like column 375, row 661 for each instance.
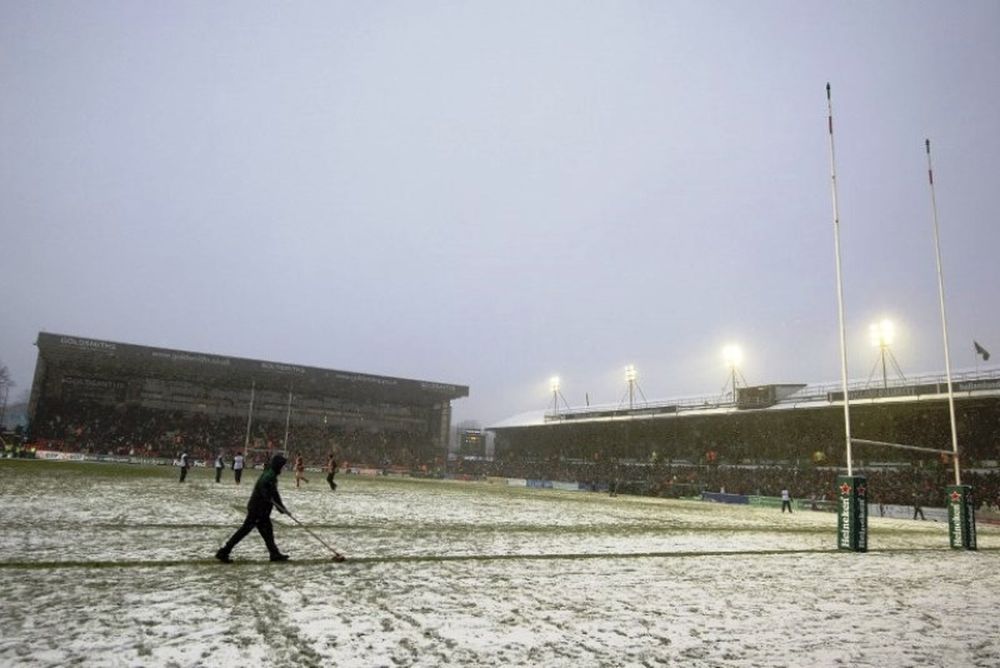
column 786, row 396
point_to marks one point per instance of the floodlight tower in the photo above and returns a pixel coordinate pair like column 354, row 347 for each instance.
column 632, row 382
column 733, row 356
column 882, row 334
column 554, row 385
column 630, row 376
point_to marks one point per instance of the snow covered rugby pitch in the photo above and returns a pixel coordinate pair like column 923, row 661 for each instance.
column 112, row 565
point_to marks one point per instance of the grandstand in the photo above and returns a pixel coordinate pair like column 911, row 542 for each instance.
column 782, row 423
column 119, row 397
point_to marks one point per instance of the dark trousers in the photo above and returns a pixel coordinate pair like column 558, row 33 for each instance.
column 917, row 510
column 263, row 526
column 329, row 479
column 786, row 504
column 184, row 473
column 237, row 473
column 218, row 473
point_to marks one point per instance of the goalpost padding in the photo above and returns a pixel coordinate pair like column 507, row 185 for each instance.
column 961, row 517
column 852, row 513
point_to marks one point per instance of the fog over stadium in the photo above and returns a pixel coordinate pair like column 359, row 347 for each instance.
column 493, row 194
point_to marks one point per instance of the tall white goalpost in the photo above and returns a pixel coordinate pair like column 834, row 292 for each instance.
column 246, row 440
column 961, row 507
column 852, row 508
column 852, row 490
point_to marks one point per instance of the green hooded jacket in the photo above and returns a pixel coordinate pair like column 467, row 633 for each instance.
column 265, row 492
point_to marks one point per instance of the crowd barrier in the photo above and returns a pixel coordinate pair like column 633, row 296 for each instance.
column 357, row 470
column 874, row 510
column 722, row 497
column 55, row 455
column 906, row 512
column 561, row 485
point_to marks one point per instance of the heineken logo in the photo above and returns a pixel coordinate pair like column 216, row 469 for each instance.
column 845, row 521
column 845, row 488
column 956, row 497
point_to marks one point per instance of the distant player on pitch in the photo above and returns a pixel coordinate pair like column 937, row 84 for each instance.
column 786, row 501
column 300, row 470
column 331, row 470
column 238, row 467
column 220, row 464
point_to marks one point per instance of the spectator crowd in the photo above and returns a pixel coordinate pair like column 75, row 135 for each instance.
column 92, row 428
column 137, row 431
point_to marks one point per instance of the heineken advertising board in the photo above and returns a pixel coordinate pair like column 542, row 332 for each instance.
column 961, row 517
column 852, row 513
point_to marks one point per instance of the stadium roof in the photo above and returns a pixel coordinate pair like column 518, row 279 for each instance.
column 785, row 397
column 98, row 356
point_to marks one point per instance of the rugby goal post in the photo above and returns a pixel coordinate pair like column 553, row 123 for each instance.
column 958, row 497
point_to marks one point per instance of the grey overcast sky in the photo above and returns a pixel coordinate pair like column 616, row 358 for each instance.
column 491, row 193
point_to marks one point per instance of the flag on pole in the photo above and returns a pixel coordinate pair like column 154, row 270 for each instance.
column 981, row 351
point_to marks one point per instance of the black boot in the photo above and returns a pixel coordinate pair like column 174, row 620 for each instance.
column 223, row 556
column 278, row 556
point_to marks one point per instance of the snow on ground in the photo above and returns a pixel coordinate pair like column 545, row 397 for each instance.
column 112, row 565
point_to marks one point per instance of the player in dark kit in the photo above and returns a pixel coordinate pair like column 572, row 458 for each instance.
column 264, row 497
column 220, row 464
column 331, row 470
column 917, row 510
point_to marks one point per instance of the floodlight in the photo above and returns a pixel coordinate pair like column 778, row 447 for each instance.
column 554, row 383
column 733, row 355
column 630, row 373
column 882, row 333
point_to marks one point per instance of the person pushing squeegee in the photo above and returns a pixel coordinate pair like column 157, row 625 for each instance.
column 263, row 499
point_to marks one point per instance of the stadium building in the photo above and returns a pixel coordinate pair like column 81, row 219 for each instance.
column 796, row 424
column 111, row 396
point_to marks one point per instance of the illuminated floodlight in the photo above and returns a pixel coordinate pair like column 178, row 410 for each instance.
column 630, row 373
column 882, row 333
column 733, row 355
column 554, row 383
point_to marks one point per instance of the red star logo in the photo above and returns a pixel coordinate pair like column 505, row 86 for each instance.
column 955, row 497
column 861, row 490
column 845, row 488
